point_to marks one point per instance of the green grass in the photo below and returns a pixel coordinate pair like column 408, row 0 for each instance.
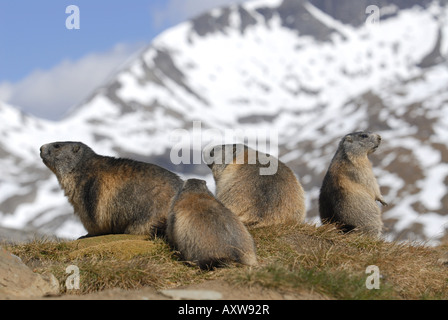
column 337, row 285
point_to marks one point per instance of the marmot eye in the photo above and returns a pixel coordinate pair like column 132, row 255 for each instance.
column 56, row 146
column 364, row 136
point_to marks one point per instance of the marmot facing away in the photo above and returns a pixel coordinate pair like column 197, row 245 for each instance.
column 259, row 200
column 112, row 196
column 205, row 232
column 349, row 191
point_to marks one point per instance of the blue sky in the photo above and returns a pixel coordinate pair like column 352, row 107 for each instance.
column 41, row 61
column 34, row 35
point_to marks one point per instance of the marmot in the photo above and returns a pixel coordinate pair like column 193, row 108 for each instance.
column 276, row 197
column 205, row 232
column 110, row 195
column 349, row 191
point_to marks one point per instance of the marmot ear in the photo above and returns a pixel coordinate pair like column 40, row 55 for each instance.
column 76, row 148
column 348, row 139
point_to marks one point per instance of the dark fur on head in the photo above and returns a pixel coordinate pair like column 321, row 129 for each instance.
column 219, row 157
column 64, row 157
column 195, row 185
column 360, row 143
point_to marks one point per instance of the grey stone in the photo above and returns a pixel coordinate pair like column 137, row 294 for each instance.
column 17, row 281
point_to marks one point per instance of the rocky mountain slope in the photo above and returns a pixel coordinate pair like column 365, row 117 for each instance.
column 309, row 71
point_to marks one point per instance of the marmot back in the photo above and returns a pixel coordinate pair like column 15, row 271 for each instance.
column 259, row 200
column 110, row 195
column 205, row 232
column 349, row 191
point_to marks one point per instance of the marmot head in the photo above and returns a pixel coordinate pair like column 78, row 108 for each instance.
column 360, row 143
column 219, row 157
column 195, row 185
column 64, row 157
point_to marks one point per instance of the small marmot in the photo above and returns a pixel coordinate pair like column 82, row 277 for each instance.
column 205, row 232
column 110, row 195
column 256, row 186
column 349, row 191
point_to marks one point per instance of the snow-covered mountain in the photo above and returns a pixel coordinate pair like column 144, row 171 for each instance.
column 312, row 71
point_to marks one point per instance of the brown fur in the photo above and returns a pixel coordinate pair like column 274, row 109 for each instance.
column 112, row 195
column 349, row 191
column 205, row 232
column 259, row 200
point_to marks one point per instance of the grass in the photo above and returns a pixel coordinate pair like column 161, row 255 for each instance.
column 301, row 258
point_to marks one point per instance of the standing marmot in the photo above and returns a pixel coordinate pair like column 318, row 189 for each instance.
column 259, row 200
column 112, row 196
column 349, row 191
column 205, row 231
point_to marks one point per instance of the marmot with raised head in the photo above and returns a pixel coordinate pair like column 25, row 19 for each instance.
column 256, row 186
column 349, row 191
column 205, row 232
column 110, row 195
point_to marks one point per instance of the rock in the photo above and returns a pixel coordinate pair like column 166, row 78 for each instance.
column 185, row 294
column 18, row 281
